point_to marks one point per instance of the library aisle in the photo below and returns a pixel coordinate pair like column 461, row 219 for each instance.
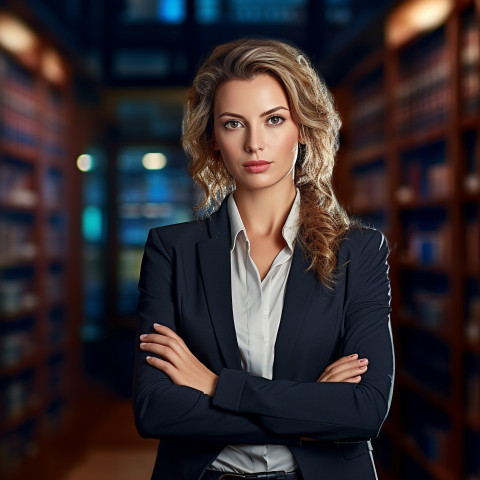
column 113, row 450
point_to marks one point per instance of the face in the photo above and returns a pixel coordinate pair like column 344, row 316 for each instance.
column 256, row 133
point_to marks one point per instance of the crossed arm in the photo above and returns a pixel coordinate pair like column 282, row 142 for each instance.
column 177, row 396
column 183, row 368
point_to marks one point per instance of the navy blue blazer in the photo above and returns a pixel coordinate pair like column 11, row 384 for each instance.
column 185, row 284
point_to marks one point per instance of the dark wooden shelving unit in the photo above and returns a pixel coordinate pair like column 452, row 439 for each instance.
column 422, row 147
column 39, row 273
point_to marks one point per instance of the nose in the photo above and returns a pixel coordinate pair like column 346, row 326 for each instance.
column 254, row 141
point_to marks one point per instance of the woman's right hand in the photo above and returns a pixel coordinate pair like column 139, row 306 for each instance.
column 346, row 369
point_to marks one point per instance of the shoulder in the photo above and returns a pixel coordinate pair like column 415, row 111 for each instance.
column 362, row 245
column 178, row 234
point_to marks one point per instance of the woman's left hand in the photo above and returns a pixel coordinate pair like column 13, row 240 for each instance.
column 177, row 362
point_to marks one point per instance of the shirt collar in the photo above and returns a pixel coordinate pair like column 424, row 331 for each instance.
column 289, row 230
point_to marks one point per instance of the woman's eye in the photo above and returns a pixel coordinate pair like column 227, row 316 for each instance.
column 276, row 120
column 233, row 124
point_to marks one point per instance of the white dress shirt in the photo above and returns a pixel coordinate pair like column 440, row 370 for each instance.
column 257, row 308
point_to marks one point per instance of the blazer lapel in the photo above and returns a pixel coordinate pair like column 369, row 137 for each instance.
column 300, row 287
column 215, row 269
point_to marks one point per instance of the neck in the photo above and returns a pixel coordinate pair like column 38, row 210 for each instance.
column 264, row 211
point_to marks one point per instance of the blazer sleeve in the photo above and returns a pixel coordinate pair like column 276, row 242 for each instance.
column 332, row 411
column 161, row 408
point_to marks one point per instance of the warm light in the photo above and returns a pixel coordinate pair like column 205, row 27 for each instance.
column 15, row 36
column 154, row 161
column 414, row 17
column 85, row 162
column 52, row 67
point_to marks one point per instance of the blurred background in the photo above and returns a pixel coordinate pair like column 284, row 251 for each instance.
column 91, row 99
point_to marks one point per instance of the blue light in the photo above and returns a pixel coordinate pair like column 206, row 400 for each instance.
column 92, row 224
column 171, row 11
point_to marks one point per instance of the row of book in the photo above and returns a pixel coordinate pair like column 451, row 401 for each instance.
column 16, row 240
column 472, row 244
column 427, row 428
column 472, row 329
column 16, row 346
column 55, row 285
column 427, row 247
column 368, row 116
column 423, row 96
column 370, row 190
column 17, row 446
column 17, row 295
column 17, row 184
column 427, row 308
column 22, row 122
column 425, row 182
column 472, row 386
column 470, row 64
column 426, row 359
column 18, row 395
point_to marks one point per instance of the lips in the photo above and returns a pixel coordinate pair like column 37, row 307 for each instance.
column 254, row 163
column 256, row 166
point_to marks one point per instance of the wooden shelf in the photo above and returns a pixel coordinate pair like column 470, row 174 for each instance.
column 23, row 364
column 369, row 210
column 17, row 314
column 435, row 469
column 29, row 412
column 16, row 262
column 44, row 185
column 438, row 160
column 18, row 207
column 421, row 137
column 18, row 151
column 424, row 203
column 441, row 269
column 471, row 271
column 471, row 346
column 431, row 396
column 367, row 155
column 470, row 121
column 442, row 333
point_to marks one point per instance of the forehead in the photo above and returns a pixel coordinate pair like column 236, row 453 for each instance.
column 260, row 93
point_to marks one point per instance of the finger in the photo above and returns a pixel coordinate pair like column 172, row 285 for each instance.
column 343, row 371
column 342, row 360
column 344, row 375
column 161, row 339
column 356, row 379
column 168, row 332
column 162, row 365
column 163, row 351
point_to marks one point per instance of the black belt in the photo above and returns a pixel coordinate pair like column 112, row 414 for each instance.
column 217, row 475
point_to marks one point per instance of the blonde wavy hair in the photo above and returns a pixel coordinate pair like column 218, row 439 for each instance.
column 323, row 222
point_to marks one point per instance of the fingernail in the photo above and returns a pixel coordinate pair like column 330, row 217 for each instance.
column 364, row 360
column 363, row 368
column 156, row 325
column 142, row 345
column 355, row 355
column 143, row 336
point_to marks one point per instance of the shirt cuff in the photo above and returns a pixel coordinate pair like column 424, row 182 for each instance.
column 228, row 392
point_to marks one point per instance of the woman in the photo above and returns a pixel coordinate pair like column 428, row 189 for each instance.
column 265, row 346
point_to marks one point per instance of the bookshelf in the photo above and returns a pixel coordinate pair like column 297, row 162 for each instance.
column 38, row 323
column 412, row 167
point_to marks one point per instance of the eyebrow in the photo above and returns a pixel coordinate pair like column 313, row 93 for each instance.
column 264, row 114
